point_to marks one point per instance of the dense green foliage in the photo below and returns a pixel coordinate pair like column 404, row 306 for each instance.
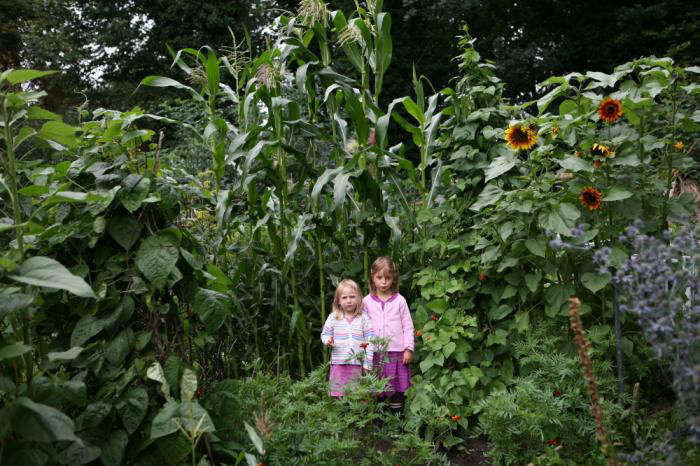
column 149, row 292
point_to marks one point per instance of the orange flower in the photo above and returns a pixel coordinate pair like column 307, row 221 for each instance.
column 600, row 150
column 419, row 333
column 428, row 337
column 590, row 197
column 482, row 276
column 610, row 110
column 521, row 137
column 456, row 417
column 554, row 442
column 434, row 317
column 679, row 146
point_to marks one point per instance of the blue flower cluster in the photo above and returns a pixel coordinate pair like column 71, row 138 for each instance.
column 659, row 283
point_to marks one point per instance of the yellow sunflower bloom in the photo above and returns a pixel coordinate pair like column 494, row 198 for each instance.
column 519, row 137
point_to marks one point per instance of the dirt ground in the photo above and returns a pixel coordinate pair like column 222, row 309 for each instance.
column 477, row 449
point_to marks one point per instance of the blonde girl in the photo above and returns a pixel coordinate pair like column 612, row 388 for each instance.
column 391, row 319
column 347, row 331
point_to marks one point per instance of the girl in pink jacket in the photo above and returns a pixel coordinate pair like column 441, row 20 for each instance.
column 391, row 319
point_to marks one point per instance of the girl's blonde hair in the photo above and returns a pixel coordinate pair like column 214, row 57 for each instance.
column 337, row 310
column 384, row 263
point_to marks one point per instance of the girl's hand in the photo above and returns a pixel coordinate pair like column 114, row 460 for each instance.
column 329, row 342
column 407, row 356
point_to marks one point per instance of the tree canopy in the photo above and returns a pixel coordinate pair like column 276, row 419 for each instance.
column 107, row 47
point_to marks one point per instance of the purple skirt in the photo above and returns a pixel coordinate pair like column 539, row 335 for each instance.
column 340, row 375
column 391, row 366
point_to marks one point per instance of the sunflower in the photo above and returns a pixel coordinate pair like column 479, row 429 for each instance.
column 600, row 150
column 590, row 197
column 610, row 110
column 520, row 137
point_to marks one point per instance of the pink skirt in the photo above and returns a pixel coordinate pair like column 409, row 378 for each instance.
column 340, row 375
column 391, row 366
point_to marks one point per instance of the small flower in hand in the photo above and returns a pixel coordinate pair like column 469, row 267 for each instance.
column 407, row 356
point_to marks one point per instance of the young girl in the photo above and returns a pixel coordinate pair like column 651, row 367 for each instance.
column 347, row 331
column 391, row 319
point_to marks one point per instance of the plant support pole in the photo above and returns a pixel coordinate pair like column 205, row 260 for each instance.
column 618, row 344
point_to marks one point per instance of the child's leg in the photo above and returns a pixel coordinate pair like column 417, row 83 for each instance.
column 396, row 403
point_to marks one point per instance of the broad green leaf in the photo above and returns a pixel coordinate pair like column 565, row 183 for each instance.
column 155, row 372
column 133, row 408
column 341, row 185
column 498, row 313
column 193, row 417
column 59, row 132
column 499, row 166
column 21, row 76
column 188, row 385
column 532, row 280
column 522, row 321
column 212, row 308
column 48, row 273
column 125, row 230
column 161, row 81
column 490, row 195
column 616, row 193
column 134, row 191
column 172, row 371
column 213, row 72
column 67, row 355
column 93, row 415
column 66, row 196
column 113, row 449
column 323, row 179
column 156, row 258
column 255, row 438
column 87, row 327
column 595, row 281
column 569, row 211
column 164, row 423
column 14, row 350
column 555, row 221
column 79, row 454
column 37, row 113
column 119, row 347
column 575, row 164
column 449, row 348
column 536, row 246
column 567, row 106
column 41, row 423
column 74, row 391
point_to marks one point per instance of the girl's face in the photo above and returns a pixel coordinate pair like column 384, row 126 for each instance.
column 348, row 299
column 382, row 280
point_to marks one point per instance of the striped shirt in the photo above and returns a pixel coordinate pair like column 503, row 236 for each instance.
column 347, row 337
